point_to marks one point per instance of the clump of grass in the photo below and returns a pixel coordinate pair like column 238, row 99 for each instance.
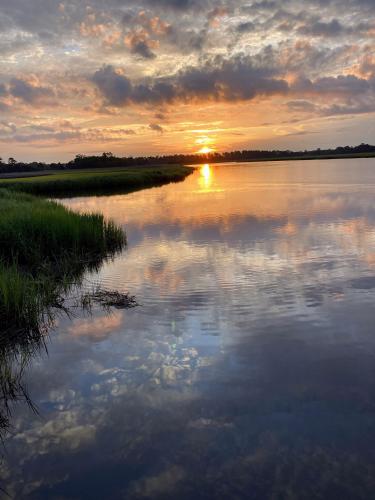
column 98, row 181
column 108, row 299
column 35, row 232
column 43, row 248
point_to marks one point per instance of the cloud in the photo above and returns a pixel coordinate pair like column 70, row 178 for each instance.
column 156, row 128
column 367, row 65
column 59, row 133
column 246, row 27
column 63, row 136
column 301, row 105
column 143, row 37
column 334, row 85
column 217, row 79
column 142, row 48
column 26, row 91
column 357, row 107
column 115, row 87
column 179, row 4
column 29, row 93
column 139, row 43
column 333, row 28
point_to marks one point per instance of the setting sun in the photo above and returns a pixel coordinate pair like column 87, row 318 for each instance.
column 205, row 150
column 206, row 144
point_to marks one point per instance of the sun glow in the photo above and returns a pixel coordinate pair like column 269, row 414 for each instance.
column 206, row 144
column 205, row 150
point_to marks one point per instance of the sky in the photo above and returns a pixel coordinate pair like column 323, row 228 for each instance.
column 146, row 77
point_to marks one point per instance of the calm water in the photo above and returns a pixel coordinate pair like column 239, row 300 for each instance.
column 249, row 369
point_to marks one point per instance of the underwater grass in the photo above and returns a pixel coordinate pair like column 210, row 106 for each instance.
column 98, row 181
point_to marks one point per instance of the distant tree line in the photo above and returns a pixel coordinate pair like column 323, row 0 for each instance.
column 18, row 166
column 109, row 160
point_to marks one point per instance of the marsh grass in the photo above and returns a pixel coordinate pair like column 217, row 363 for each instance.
column 98, row 181
column 34, row 232
column 43, row 247
column 45, row 250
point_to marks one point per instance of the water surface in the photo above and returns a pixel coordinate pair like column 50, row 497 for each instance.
column 248, row 371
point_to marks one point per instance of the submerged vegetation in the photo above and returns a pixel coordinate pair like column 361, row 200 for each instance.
column 108, row 299
column 97, row 181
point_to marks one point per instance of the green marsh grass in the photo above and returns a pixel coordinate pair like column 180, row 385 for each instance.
column 43, row 246
column 97, row 181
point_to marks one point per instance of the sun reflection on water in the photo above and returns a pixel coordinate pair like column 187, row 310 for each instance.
column 206, row 177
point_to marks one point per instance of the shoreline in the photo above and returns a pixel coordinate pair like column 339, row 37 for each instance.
column 290, row 158
column 14, row 179
column 96, row 181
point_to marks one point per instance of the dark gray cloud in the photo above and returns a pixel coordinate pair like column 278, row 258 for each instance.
column 179, row 4
column 239, row 79
column 319, row 28
column 33, row 94
column 246, row 27
column 116, row 88
column 333, row 28
column 354, row 107
column 27, row 92
column 142, row 49
column 217, row 79
column 338, row 85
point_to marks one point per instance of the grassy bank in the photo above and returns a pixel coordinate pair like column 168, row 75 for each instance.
column 97, row 181
column 43, row 245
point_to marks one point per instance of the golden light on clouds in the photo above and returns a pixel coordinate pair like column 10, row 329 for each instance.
column 204, row 141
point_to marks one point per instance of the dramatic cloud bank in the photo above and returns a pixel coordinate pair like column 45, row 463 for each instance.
column 154, row 76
